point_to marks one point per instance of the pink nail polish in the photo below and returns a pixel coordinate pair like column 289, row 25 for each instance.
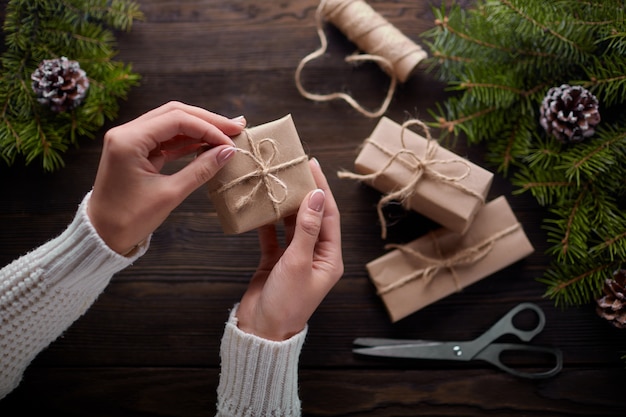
column 240, row 120
column 316, row 200
column 225, row 154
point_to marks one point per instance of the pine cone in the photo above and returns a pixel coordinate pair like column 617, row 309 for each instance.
column 60, row 84
column 569, row 113
column 612, row 305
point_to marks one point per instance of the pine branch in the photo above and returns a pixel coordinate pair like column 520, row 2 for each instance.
column 607, row 77
column 571, row 285
column 594, row 158
column 47, row 29
column 499, row 83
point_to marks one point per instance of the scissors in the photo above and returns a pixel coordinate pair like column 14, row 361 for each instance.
column 481, row 348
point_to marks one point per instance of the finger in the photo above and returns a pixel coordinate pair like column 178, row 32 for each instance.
column 308, row 225
column 179, row 123
column 177, row 142
column 159, row 158
column 201, row 169
column 178, row 153
column 230, row 127
column 331, row 229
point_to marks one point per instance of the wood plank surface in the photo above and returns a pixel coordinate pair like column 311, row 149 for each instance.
column 149, row 346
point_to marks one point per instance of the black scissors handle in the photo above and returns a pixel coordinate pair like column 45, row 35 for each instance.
column 506, row 326
column 492, row 354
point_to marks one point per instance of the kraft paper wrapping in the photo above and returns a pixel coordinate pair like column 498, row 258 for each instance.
column 452, row 204
column 407, row 283
column 265, row 181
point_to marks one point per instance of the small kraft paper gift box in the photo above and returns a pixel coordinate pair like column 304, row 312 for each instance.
column 422, row 175
column 412, row 276
column 265, row 181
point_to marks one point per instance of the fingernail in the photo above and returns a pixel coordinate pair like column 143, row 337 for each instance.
column 314, row 159
column 240, row 120
column 317, row 199
column 225, row 154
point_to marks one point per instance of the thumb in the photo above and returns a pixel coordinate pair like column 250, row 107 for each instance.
column 308, row 223
column 203, row 168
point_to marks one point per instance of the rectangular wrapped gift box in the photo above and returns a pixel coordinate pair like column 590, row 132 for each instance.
column 452, row 204
column 436, row 265
column 265, row 181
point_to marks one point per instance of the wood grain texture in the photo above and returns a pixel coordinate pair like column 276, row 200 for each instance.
column 149, row 346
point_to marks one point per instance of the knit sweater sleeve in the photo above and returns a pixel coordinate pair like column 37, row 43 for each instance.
column 258, row 377
column 43, row 292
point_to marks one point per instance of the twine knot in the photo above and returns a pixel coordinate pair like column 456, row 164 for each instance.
column 418, row 166
column 265, row 173
column 463, row 257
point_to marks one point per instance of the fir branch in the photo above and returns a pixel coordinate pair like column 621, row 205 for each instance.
column 542, row 28
column 46, row 29
column 452, row 125
column 614, row 246
column 571, row 242
column 499, row 83
column 443, row 22
column 591, row 159
column 606, row 77
column 573, row 285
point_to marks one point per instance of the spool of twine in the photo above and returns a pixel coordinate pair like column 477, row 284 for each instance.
column 374, row 35
column 381, row 41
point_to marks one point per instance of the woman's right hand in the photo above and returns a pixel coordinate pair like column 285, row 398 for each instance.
column 130, row 197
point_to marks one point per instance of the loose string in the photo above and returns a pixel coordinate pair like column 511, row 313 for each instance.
column 265, row 172
column 465, row 257
column 418, row 168
column 391, row 48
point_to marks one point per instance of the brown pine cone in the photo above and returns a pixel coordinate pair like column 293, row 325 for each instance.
column 612, row 305
column 60, row 84
column 569, row 113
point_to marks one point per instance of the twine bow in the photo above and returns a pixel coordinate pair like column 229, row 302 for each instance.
column 265, row 173
column 418, row 168
column 464, row 257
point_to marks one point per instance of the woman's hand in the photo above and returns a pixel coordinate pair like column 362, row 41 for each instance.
column 130, row 197
column 290, row 283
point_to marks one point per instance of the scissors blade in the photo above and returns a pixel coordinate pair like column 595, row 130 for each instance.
column 411, row 349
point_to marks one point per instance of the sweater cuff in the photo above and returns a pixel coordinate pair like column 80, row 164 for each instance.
column 259, row 377
column 79, row 253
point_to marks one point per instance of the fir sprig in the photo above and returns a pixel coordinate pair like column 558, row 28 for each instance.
column 501, row 57
column 82, row 30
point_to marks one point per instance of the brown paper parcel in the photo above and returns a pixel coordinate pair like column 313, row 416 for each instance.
column 407, row 283
column 444, row 202
column 265, row 181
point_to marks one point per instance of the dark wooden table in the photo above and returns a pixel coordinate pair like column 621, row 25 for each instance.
column 150, row 344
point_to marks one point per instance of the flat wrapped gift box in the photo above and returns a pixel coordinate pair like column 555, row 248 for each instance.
column 440, row 263
column 450, row 189
column 265, row 181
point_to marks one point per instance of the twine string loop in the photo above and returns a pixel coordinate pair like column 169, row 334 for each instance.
column 265, row 172
column 463, row 257
column 387, row 48
column 417, row 166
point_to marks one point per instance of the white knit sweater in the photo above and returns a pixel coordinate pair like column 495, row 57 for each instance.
column 45, row 291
